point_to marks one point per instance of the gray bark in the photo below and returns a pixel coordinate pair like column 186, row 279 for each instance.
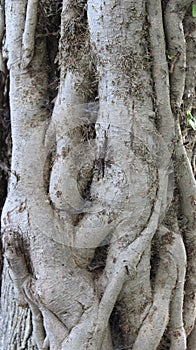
column 96, row 254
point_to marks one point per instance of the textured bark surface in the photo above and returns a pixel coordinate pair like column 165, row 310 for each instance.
column 98, row 226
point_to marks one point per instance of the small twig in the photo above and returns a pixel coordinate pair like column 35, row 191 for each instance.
column 173, row 61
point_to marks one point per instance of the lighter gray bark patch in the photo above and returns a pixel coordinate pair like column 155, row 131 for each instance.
column 112, row 187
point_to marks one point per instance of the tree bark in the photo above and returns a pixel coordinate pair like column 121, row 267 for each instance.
column 98, row 227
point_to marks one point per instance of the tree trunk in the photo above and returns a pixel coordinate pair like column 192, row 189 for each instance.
column 98, row 227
